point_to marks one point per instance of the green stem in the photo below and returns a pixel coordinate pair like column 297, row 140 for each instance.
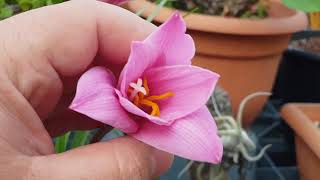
column 191, row 11
column 156, row 11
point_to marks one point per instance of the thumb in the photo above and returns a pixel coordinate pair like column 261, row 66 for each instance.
column 122, row 158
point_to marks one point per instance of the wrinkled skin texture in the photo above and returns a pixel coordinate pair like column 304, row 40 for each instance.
column 42, row 55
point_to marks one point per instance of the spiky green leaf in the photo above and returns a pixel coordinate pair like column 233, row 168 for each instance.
column 61, row 143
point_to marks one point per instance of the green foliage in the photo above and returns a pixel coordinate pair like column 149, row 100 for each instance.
column 38, row 3
column 61, row 143
column 303, row 5
column 72, row 139
column 11, row 1
column 194, row 10
column 2, row 3
column 261, row 11
column 80, row 138
column 25, row 5
column 50, row 2
column 9, row 8
column 241, row 8
column 156, row 11
column 5, row 12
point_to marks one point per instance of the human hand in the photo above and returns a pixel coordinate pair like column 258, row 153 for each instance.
column 42, row 54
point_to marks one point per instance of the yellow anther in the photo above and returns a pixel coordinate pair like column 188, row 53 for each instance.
column 155, row 108
column 160, row 97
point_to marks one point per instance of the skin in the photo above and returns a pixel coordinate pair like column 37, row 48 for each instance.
column 42, row 54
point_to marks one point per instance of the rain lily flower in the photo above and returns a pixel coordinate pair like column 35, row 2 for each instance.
column 160, row 97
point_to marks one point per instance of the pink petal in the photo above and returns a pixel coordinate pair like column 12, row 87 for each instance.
column 193, row 137
column 96, row 98
column 192, row 86
column 130, row 107
column 168, row 45
column 170, row 37
column 142, row 57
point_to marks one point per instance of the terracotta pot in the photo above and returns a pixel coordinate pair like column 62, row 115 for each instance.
column 302, row 118
column 244, row 52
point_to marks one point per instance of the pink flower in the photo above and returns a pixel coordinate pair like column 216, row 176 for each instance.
column 160, row 97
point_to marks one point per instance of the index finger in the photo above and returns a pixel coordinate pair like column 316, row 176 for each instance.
column 43, row 47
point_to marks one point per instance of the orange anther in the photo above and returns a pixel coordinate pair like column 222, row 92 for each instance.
column 160, row 97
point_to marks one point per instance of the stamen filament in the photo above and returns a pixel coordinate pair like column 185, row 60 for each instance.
column 145, row 85
column 155, row 108
column 136, row 100
column 158, row 113
column 160, row 97
column 139, row 94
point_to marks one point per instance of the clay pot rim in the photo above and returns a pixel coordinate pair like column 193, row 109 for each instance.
column 228, row 25
column 295, row 114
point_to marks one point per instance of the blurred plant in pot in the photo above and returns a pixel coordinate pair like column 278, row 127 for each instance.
column 236, row 142
column 233, row 8
column 308, row 45
column 312, row 7
column 233, row 37
column 9, row 8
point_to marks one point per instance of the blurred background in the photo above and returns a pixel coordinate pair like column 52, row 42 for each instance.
column 266, row 104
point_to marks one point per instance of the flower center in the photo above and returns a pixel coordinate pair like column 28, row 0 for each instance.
column 139, row 94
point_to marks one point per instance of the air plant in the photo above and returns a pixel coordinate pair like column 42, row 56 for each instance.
column 236, row 141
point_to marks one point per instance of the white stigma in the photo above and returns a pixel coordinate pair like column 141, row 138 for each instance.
column 137, row 87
